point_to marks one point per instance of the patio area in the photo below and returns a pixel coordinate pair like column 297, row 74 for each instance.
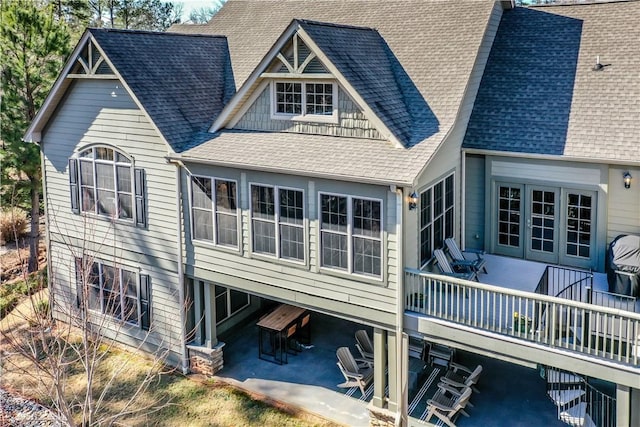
column 510, row 394
column 309, row 381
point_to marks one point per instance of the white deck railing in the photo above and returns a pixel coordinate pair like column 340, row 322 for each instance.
column 602, row 332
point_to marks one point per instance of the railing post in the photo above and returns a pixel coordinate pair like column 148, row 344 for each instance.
column 589, row 289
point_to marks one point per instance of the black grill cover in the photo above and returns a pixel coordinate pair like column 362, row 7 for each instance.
column 623, row 255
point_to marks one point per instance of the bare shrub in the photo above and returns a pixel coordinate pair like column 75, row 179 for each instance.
column 13, row 224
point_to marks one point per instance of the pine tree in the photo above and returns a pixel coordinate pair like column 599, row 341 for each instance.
column 33, row 46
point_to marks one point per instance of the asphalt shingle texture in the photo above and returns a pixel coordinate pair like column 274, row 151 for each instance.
column 364, row 59
column 539, row 93
column 182, row 81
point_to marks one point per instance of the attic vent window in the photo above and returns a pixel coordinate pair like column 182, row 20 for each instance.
column 308, row 101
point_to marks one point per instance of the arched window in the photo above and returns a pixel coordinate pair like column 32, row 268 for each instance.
column 104, row 182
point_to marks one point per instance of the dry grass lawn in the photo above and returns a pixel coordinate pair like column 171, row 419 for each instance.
column 184, row 401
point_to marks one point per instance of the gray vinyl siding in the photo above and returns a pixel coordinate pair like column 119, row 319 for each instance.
column 623, row 204
column 351, row 120
column 102, row 112
column 475, row 198
column 345, row 295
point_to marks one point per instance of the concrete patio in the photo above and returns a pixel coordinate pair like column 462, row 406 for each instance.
column 510, row 394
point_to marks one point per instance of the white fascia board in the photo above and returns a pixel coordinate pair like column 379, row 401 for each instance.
column 228, row 110
column 369, row 114
column 33, row 132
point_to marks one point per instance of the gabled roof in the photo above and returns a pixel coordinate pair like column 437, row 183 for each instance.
column 363, row 58
column 541, row 95
column 180, row 81
column 425, row 51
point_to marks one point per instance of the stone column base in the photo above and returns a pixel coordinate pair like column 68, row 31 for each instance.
column 380, row 417
column 205, row 361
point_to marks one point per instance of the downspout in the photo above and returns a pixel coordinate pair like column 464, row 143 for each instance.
column 401, row 412
column 181, row 299
column 463, row 215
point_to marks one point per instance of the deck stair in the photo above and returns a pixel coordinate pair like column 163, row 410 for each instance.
column 577, row 416
column 577, row 401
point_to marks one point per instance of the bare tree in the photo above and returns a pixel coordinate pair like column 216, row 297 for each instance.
column 204, row 14
column 50, row 349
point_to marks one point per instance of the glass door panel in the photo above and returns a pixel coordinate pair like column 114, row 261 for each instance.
column 579, row 239
column 509, row 219
column 542, row 234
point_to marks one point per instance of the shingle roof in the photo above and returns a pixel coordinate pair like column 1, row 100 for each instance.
column 182, row 81
column 539, row 93
column 432, row 47
column 364, row 59
column 301, row 154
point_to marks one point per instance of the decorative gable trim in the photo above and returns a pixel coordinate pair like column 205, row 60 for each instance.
column 90, row 63
column 256, row 82
column 296, row 65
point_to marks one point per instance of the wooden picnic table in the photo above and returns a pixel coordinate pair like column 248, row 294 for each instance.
column 273, row 325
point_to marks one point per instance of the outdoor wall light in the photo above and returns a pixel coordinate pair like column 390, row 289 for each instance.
column 413, row 200
column 626, row 178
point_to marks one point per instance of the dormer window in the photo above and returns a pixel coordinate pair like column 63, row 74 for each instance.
column 304, row 100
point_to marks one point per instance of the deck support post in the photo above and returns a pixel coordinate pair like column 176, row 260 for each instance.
column 394, row 359
column 379, row 364
column 623, row 405
column 211, row 334
column 635, row 407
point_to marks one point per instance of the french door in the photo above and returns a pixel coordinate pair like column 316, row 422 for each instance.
column 547, row 224
column 542, row 231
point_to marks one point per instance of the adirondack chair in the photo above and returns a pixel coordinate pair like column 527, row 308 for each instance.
column 460, row 376
column 357, row 372
column 447, row 408
column 447, row 268
column 364, row 345
column 478, row 263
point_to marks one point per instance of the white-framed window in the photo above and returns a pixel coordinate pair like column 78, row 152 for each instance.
column 304, row 100
column 214, row 212
column 114, row 291
column 229, row 302
column 277, row 221
column 104, row 182
column 437, row 215
column 351, row 234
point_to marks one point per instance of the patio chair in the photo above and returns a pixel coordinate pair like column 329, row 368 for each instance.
column 437, row 354
column 460, row 376
column 447, row 408
column 289, row 344
column 357, row 372
column 448, row 268
column 478, row 264
column 303, row 335
column 364, row 345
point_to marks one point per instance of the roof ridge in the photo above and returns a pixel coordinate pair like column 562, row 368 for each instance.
column 576, row 4
column 331, row 24
column 155, row 33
